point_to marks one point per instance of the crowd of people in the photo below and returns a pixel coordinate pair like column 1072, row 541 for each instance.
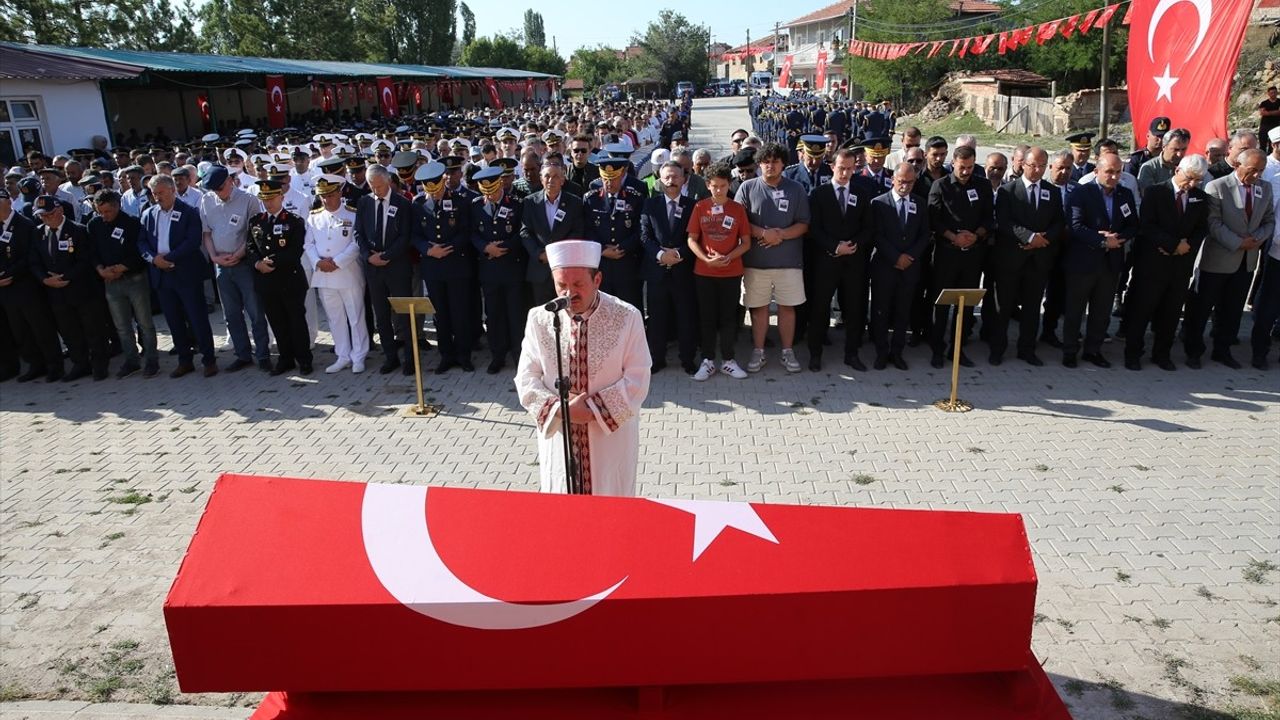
column 810, row 210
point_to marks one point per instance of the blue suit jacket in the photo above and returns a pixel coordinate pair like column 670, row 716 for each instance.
column 891, row 238
column 657, row 233
column 395, row 241
column 1086, row 250
column 185, row 237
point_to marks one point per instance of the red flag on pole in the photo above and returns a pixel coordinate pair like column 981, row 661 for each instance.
column 820, row 77
column 277, row 107
column 1087, row 23
column 784, row 78
column 1172, row 70
column 206, row 112
column 387, row 98
column 495, row 100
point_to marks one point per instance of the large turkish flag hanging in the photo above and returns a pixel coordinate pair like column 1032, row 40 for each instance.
column 206, row 111
column 495, row 100
column 785, row 76
column 277, row 106
column 1182, row 56
column 387, row 98
column 820, row 77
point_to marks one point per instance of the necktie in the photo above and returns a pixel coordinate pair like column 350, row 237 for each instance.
column 1248, row 202
column 378, row 226
column 1035, row 196
column 902, row 211
column 671, row 213
column 1180, row 201
column 53, row 237
column 840, row 198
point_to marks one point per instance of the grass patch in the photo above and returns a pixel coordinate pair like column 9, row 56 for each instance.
column 967, row 122
column 1122, row 576
column 110, row 539
column 188, row 489
column 1161, row 624
column 863, row 479
column 1254, row 687
column 1117, row 489
column 1258, row 571
column 26, row 524
column 133, row 497
column 117, row 667
column 1206, row 593
column 1075, row 687
column 13, row 693
column 1067, row 625
column 1041, row 467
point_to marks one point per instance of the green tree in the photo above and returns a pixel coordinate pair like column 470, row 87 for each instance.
column 596, row 66
column 543, row 60
column 906, row 79
column 674, row 50
column 496, row 52
column 468, row 25
column 418, row 32
column 127, row 23
column 534, row 33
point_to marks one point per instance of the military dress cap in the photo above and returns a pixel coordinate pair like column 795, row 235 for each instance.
column 209, row 138
column 29, row 185
column 488, row 174
column 380, row 146
column 1159, row 125
column 215, row 177
column 356, row 163
column 1081, row 140
column 430, row 172
column 877, row 147
column 260, row 159
column 476, row 152
column 278, row 172
column 245, row 142
column 231, row 153
column 508, row 165
column 327, row 183
column 460, row 142
column 452, row 162
column 617, row 150
column 268, row 189
column 300, row 151
column 331, row 164
column 402, row 129
column 13, row 172
column 44, row 204
column 404, row 159
column 814, row 144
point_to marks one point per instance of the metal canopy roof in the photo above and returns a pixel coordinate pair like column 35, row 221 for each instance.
column 20, row 62
column 145, row 61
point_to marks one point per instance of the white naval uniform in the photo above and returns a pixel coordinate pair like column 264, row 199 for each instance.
column 332, row 235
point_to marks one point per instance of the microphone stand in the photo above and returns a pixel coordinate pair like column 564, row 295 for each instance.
column 562, row 385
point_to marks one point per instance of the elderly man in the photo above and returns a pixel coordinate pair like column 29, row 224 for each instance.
column 23, row 297
column 63, row 261
column 225, row 210
column 383, row 229
column 549, row 215
column 1241, row 140
column 170, row 242
column 606, row 363
column 1241, row 219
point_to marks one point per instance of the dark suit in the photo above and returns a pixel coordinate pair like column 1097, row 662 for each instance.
column 1021, row 273
column 1091, row 269
column 845, row 276
column 1079, row 171
column 282, row 292
column 502, row 279
column 1055, row 291
column 180, row 289
column 393, row 279
column 669, row 290
column 24, row 301
column 614, row 222
column 891, row 288
column 536, row 233
column 809, row 179
column 1161, row 278
column 953, row 208
column 80, row 308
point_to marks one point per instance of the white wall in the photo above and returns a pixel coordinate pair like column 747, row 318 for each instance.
column 71, row 110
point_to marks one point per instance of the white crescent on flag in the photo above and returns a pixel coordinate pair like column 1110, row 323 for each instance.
column 1204, row 10
column 388, row 102
column 277, row 97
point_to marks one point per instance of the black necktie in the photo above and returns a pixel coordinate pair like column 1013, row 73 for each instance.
column 378, row 226
column 671, row 213
column 1178, row 202
column 840, row 198
column 1248, row 203
column 1035, row 197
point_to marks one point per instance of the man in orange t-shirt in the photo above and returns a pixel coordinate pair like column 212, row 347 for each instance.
column 719, row 235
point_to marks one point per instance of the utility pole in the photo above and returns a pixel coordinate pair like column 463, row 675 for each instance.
column 553, row 45
column 853, row 21
column 773, row 65
column 747, row 61
column 1106, row 81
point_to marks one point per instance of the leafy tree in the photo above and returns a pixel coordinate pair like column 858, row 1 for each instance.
column 406, row 31
column 543, row 60
column 674, row 50
column 534, row 34
column 126, row 23
column 468, row 25
column 497, row 51
column 596, row 66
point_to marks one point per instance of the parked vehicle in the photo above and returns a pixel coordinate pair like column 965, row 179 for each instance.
column 761, row 80
column 684, row 87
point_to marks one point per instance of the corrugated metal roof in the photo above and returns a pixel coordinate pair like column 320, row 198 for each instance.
column 19, row 62
column 197, row 63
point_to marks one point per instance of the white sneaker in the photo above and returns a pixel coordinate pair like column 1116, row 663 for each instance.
column 732, row 369
column 357, row 367
column 789, row 360
column 757, row 361
column 337, row 366
column 705, row 370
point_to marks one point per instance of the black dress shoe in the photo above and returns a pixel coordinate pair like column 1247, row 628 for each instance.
column 937, row 360
column 282, row 368
column 264, row 365
column 467, row 366
column 100, row 374
column 445, row 366
column 1069, row 361
column 855, row 362
column 495, row 367
column 815, row 363
column 183, row 369
column 1097, row 359
column 1051, row 340
column 916, row 339
column 1133, row 364
column 406, row 369
column 882, row 362
column 1031, row 359
column 150, row 371
column 127, row 369
column 1194, row 362
column 1259, row 363
column 995, row 358
column 1226, row 359
column 8, row 375
column 305, row 368
column 389, row 367
column 898, row 362
column 76, row 373
column 964, row 360
column 239, row 364
column 30, row 375
column 1166, row 364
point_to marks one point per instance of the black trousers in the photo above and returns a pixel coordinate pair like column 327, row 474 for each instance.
column 892, row 292
column 188, row 320
column 283, row 302
column 673, row 306
column 1156, row 295
column 922, row 303
column 952, row 268
column 719, row 314
column 455, row 317
column 393, row 280
column 622, row 280
column 32, row 324
column 1055, row 295
column 541, row 292
column 1094, row 291
column 1266, row 307
column 1221, row 295
column 83, row 326
column 844, row 277
column 1020, row 281
column 505, row 313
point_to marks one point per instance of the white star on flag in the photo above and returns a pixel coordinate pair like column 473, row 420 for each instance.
column 1165, row 83
column 711, row 517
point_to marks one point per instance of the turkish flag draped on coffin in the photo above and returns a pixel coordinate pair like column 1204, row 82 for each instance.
column 277, row 103
column 1182, row 57
column 387, row 98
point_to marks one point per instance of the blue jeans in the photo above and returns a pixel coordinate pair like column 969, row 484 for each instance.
column 235, row 285
column 129, row 300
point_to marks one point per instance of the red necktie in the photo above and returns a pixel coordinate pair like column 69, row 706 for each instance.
column 1178, row 202
column 1248, row 202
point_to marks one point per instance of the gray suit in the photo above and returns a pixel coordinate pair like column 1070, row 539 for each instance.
column 1225, row 268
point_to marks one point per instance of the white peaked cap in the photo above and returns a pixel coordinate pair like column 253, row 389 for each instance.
column 574, row 253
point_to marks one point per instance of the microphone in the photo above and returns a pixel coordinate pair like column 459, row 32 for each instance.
column 558, row 304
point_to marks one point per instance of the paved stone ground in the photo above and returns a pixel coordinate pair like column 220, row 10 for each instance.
column 1151, row 499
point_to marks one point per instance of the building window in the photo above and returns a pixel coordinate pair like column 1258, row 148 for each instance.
column 22, row 129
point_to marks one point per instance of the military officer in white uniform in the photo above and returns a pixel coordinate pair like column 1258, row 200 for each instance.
column 332, row 254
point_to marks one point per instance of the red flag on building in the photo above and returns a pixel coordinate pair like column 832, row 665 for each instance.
column 387, row 98
column 820, row 77
column 206, row 112
column 784, row 78
column 1174, row 72
column 277, row 106
column 327, row 101
column 495, row 99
